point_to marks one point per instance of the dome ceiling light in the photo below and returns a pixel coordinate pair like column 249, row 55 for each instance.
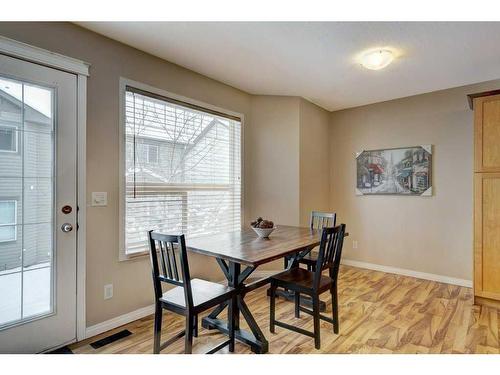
column 377, row 59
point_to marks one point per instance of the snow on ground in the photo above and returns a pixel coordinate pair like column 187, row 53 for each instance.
column 35, row 298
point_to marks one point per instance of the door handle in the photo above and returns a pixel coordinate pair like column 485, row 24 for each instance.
column 66, row 227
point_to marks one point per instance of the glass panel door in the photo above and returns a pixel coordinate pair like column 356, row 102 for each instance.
column 26, row 201
column 38, row 143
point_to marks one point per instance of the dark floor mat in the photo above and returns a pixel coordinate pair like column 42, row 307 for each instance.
column 64, row 350
column 108, row 340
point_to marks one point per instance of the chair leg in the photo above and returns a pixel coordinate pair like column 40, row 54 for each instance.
column 231, row 320
column 271, row 309
column 188, row 346
column 195, row 325
column 157, row 328
column 297, row 304
column 317, row 335
column 335, row 308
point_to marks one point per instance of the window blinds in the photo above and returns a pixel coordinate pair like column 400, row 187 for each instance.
column 182, row 169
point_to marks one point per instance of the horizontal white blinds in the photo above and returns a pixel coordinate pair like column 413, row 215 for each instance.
column 183, row 169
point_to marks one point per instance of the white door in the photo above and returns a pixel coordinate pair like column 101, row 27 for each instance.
column 38, row 116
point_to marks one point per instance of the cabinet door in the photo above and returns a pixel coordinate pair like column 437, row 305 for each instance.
column 487, row 235
column 487, row 133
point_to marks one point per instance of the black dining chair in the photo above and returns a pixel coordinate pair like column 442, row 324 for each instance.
column 189, row 297
column 319, row 220
column 302, row 281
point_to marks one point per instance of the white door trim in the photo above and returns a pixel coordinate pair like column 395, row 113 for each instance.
column 41, row 56
column 81, row 197
column 80, row 68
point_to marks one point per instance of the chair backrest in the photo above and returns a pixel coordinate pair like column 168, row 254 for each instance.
column 169, row 264
column 320, row 220
column 330, row 251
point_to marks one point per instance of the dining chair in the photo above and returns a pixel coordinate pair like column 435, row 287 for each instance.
column 319, row 220
column 188, row 297
column 313, row 283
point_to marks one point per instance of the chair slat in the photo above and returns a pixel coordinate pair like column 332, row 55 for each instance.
column 320, row 220
column 162, row 258
column 174, row 263
column 165, row 250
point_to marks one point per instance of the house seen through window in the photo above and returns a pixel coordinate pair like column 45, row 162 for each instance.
column 8, row 139
column 8, row 220
column 182, row 169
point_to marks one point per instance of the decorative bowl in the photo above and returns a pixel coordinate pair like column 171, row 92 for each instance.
column 263, row 232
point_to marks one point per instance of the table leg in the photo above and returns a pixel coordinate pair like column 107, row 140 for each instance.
column 234, row 275
column 215, row 313
column 255, row 339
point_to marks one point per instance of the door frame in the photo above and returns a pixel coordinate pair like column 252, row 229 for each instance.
column 80, row 68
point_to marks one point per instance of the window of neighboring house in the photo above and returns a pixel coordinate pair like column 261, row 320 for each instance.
column 8, row 139
column 152, row 152
column 197, row 189
column 8, row 220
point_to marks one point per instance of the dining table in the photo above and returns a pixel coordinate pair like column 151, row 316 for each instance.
column 239, row 254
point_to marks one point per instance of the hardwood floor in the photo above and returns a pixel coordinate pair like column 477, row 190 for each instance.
column 379, row 313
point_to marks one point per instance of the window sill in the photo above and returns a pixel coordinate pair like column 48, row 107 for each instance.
column 134, row 256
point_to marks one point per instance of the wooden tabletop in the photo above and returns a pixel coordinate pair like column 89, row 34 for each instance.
column 246, row 248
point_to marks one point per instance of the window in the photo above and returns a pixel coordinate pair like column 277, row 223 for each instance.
column 182, row 169
column 8, row 220
column 8, row 139
column 152, row 154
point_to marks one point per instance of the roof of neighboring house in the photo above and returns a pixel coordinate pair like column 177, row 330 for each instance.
column 150, row 118
column 34, row 111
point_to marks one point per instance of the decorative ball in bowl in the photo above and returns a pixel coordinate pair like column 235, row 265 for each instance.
column 262, row 227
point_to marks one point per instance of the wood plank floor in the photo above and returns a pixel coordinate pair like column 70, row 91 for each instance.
column 379, row 313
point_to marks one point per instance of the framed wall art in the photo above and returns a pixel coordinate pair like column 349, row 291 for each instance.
column 399, row 171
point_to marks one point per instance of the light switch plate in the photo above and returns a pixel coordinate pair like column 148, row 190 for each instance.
column 99, row 198
column 108, row 291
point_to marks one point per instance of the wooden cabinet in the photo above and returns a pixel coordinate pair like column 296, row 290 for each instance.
column 487, row 134
column 487, row 235
column 486, row 197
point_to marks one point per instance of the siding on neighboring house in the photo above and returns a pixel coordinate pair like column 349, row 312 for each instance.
column 34, row 145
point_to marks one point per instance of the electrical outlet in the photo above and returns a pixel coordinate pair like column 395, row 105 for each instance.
column 354, row 244
column 108, row 291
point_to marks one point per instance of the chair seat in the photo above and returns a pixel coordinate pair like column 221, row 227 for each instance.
column 301, row 280
column 205, row 294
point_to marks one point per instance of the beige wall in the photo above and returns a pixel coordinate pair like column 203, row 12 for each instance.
column 288, row 163
column 314, row 161
column 272, row 168
column 110, row 60
column 426, row 234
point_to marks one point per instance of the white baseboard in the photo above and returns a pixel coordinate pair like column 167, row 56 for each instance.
column 411, row 273
column 119, row 321
column 387, row 269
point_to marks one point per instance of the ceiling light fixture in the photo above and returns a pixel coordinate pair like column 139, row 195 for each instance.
column 377, row 59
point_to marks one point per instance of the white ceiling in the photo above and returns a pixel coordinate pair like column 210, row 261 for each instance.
column 317, row 60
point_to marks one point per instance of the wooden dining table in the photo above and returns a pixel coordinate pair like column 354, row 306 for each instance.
column 239, row 254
